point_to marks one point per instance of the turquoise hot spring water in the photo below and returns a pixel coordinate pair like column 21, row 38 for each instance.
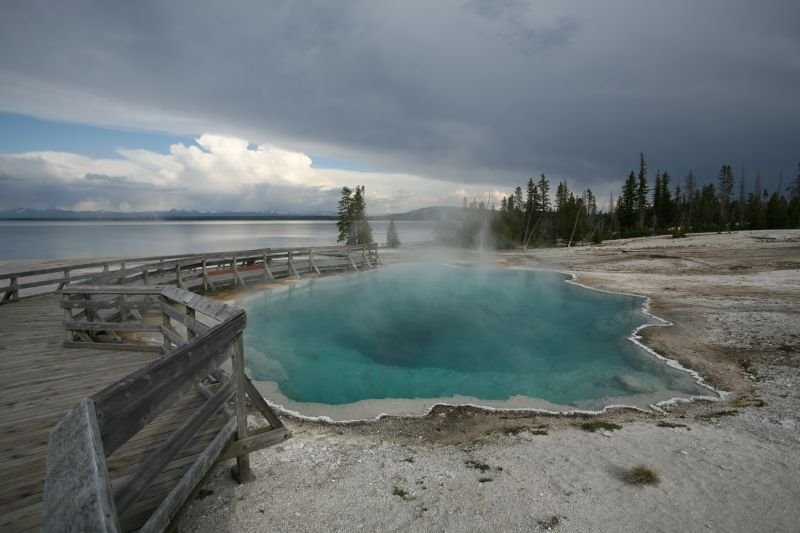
column 498, row 337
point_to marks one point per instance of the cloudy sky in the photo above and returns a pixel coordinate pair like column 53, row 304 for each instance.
column 274, row 105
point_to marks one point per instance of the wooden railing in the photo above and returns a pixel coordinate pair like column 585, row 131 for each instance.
column 195, row 271
column 143, row 304
column 197, row 335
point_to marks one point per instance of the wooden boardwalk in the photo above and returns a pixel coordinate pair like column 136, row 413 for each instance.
column 40, row 381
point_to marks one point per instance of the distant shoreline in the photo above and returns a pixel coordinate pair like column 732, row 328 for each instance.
column 210, row 218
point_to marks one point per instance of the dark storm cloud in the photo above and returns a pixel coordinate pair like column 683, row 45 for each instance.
column 474, row 91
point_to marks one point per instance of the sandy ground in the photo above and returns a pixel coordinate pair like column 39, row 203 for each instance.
column 734, row 300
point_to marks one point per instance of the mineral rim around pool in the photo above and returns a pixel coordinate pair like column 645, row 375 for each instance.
column 404, row 338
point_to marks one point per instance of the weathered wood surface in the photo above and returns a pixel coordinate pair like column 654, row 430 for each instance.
column 41, row 381
column 137, row 416
column 126, row 406
column 81, row 502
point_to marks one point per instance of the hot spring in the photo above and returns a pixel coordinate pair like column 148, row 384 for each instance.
column 404, row 338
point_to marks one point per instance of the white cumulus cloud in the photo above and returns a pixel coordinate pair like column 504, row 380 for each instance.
column 216, row 172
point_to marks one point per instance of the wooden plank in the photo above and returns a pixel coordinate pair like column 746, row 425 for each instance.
column 110, row 289
column 260, row 439
column 169, row 508
column 133, row 489
column 77, row 494
column 261, row 404
column 120, row 346
column 126, row 406
column 75, row 325
column 145, row 305
column 206, row 306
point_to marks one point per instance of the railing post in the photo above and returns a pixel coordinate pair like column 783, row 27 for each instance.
column 67, row 318
column 179, row 280
column 12, row 292
column 237, row 278
column 267, row 272
column 207, row 283
column 122, row 271
column 190, row 334
column 65, row 280
column 311, row 263
column 364, row 255
column 165, row 321
column 290, row 264
column 145, row 278
column 241, row 472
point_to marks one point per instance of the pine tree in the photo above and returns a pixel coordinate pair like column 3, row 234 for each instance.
column 626, row 204
column 362, row 232
column 667, row 211
column 642, row 190
column 690, row 193
column 544, row 193
column 726, row 180
column 391, row 236
column 657, row 205
column 344, row 213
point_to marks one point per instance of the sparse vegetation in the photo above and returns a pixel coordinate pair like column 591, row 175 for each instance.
column 485, row 480
column 483, row 467
column 665, row 424
column 550, row 523
column 642, row 475
column 719, row 414
column 748, row 402
column 401, row 493
column 594, row 426
column 408, row 460
column 540, row 431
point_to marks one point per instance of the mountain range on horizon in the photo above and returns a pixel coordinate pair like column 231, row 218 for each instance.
column 22, row 214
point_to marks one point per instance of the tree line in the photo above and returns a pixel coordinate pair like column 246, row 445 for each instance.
column 526, row 217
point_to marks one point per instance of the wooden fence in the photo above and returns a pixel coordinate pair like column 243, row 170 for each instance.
column 195, row 271
column 198, row 336
column 122, row 310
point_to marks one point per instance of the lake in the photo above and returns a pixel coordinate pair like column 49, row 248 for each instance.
column 67, row 240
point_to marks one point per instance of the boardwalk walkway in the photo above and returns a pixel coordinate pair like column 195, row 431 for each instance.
column 40, row 381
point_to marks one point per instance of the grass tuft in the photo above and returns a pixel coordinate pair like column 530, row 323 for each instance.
column 594, row 426
column 550, row 523
column 483, row 467
column 665, row 424
column 401, row 493
column 642, row 475
column 719, row 414
column 485, row 480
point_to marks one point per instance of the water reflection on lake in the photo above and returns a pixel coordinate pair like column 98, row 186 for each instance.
column 64, row 239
